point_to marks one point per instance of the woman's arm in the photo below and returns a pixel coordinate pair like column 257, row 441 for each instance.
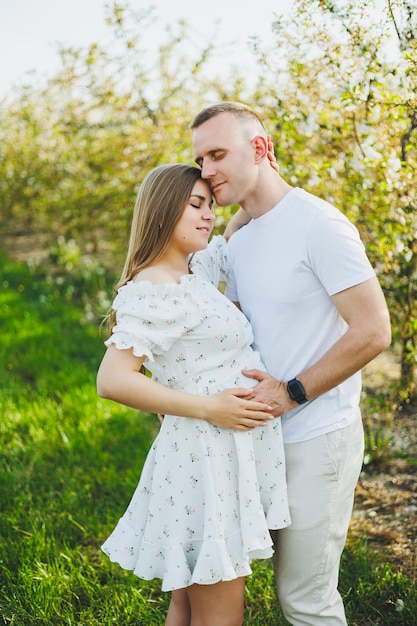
column 239, row 219
column 120, row 380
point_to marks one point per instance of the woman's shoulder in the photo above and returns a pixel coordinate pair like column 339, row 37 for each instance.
column 150, row 289
column 162, row 311
column 156, row 275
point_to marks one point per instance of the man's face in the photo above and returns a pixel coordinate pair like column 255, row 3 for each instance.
column 226, row 155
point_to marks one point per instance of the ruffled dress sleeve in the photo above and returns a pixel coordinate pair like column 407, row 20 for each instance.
column 150, row 318
column 211, row 263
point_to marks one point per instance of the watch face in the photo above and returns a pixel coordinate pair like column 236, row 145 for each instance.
column 296, row 391
column 295, row 388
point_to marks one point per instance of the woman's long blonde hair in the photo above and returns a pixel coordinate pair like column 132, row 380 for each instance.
column 161, row 200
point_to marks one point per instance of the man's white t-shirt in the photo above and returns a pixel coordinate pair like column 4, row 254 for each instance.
column 283, row 268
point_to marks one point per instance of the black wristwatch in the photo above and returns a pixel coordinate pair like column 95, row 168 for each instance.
column 296, row 391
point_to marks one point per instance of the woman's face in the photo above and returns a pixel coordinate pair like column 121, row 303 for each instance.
column 196, row 223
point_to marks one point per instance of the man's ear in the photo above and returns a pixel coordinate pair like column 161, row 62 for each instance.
column 261, row 148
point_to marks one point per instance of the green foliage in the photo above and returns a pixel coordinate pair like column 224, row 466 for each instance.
column 337, row 90
column 68, row 465
column 342, row 106
column 73, row 152
column 373, row 593
column 37, row 332
column 378, row 422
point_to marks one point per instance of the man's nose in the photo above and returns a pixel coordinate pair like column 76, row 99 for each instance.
column 207, row 169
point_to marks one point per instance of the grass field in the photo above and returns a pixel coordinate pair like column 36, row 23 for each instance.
column 69, row 463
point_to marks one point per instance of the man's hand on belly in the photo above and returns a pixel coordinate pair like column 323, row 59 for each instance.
column 270, row 391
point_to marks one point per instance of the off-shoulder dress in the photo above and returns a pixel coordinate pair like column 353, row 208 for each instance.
column 207, row 496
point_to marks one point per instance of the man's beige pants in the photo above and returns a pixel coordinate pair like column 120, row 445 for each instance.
column 322, row 474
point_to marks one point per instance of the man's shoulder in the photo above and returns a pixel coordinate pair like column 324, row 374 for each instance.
column 310, row 199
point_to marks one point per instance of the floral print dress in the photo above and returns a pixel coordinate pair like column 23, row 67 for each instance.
column 206, row 496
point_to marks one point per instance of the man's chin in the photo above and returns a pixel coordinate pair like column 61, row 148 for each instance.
column 222, row 199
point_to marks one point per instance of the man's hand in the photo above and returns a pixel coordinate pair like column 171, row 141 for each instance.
column 271, row 391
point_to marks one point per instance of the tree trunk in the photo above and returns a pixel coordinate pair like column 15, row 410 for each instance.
column 408, row 369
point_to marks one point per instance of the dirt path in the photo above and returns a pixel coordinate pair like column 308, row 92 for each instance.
column 386, row 496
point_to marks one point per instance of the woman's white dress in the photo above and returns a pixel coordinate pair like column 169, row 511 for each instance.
column 206, row 496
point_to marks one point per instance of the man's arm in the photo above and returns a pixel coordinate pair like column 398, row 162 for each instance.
column 364, row 309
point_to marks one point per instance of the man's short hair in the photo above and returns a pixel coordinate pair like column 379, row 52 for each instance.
column 235, row 108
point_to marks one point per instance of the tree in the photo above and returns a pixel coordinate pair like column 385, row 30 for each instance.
column 74, row 151
column 337, row 88
column 343, row 108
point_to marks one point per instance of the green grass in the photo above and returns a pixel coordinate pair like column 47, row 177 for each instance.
column 69, row 462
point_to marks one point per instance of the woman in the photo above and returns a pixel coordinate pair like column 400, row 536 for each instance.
column 214, row 480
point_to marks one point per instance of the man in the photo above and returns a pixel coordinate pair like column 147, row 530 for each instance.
column 300, row 274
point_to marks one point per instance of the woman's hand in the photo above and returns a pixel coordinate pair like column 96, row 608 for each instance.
column 120, row 380
column 232, row 409
column 271, row 156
